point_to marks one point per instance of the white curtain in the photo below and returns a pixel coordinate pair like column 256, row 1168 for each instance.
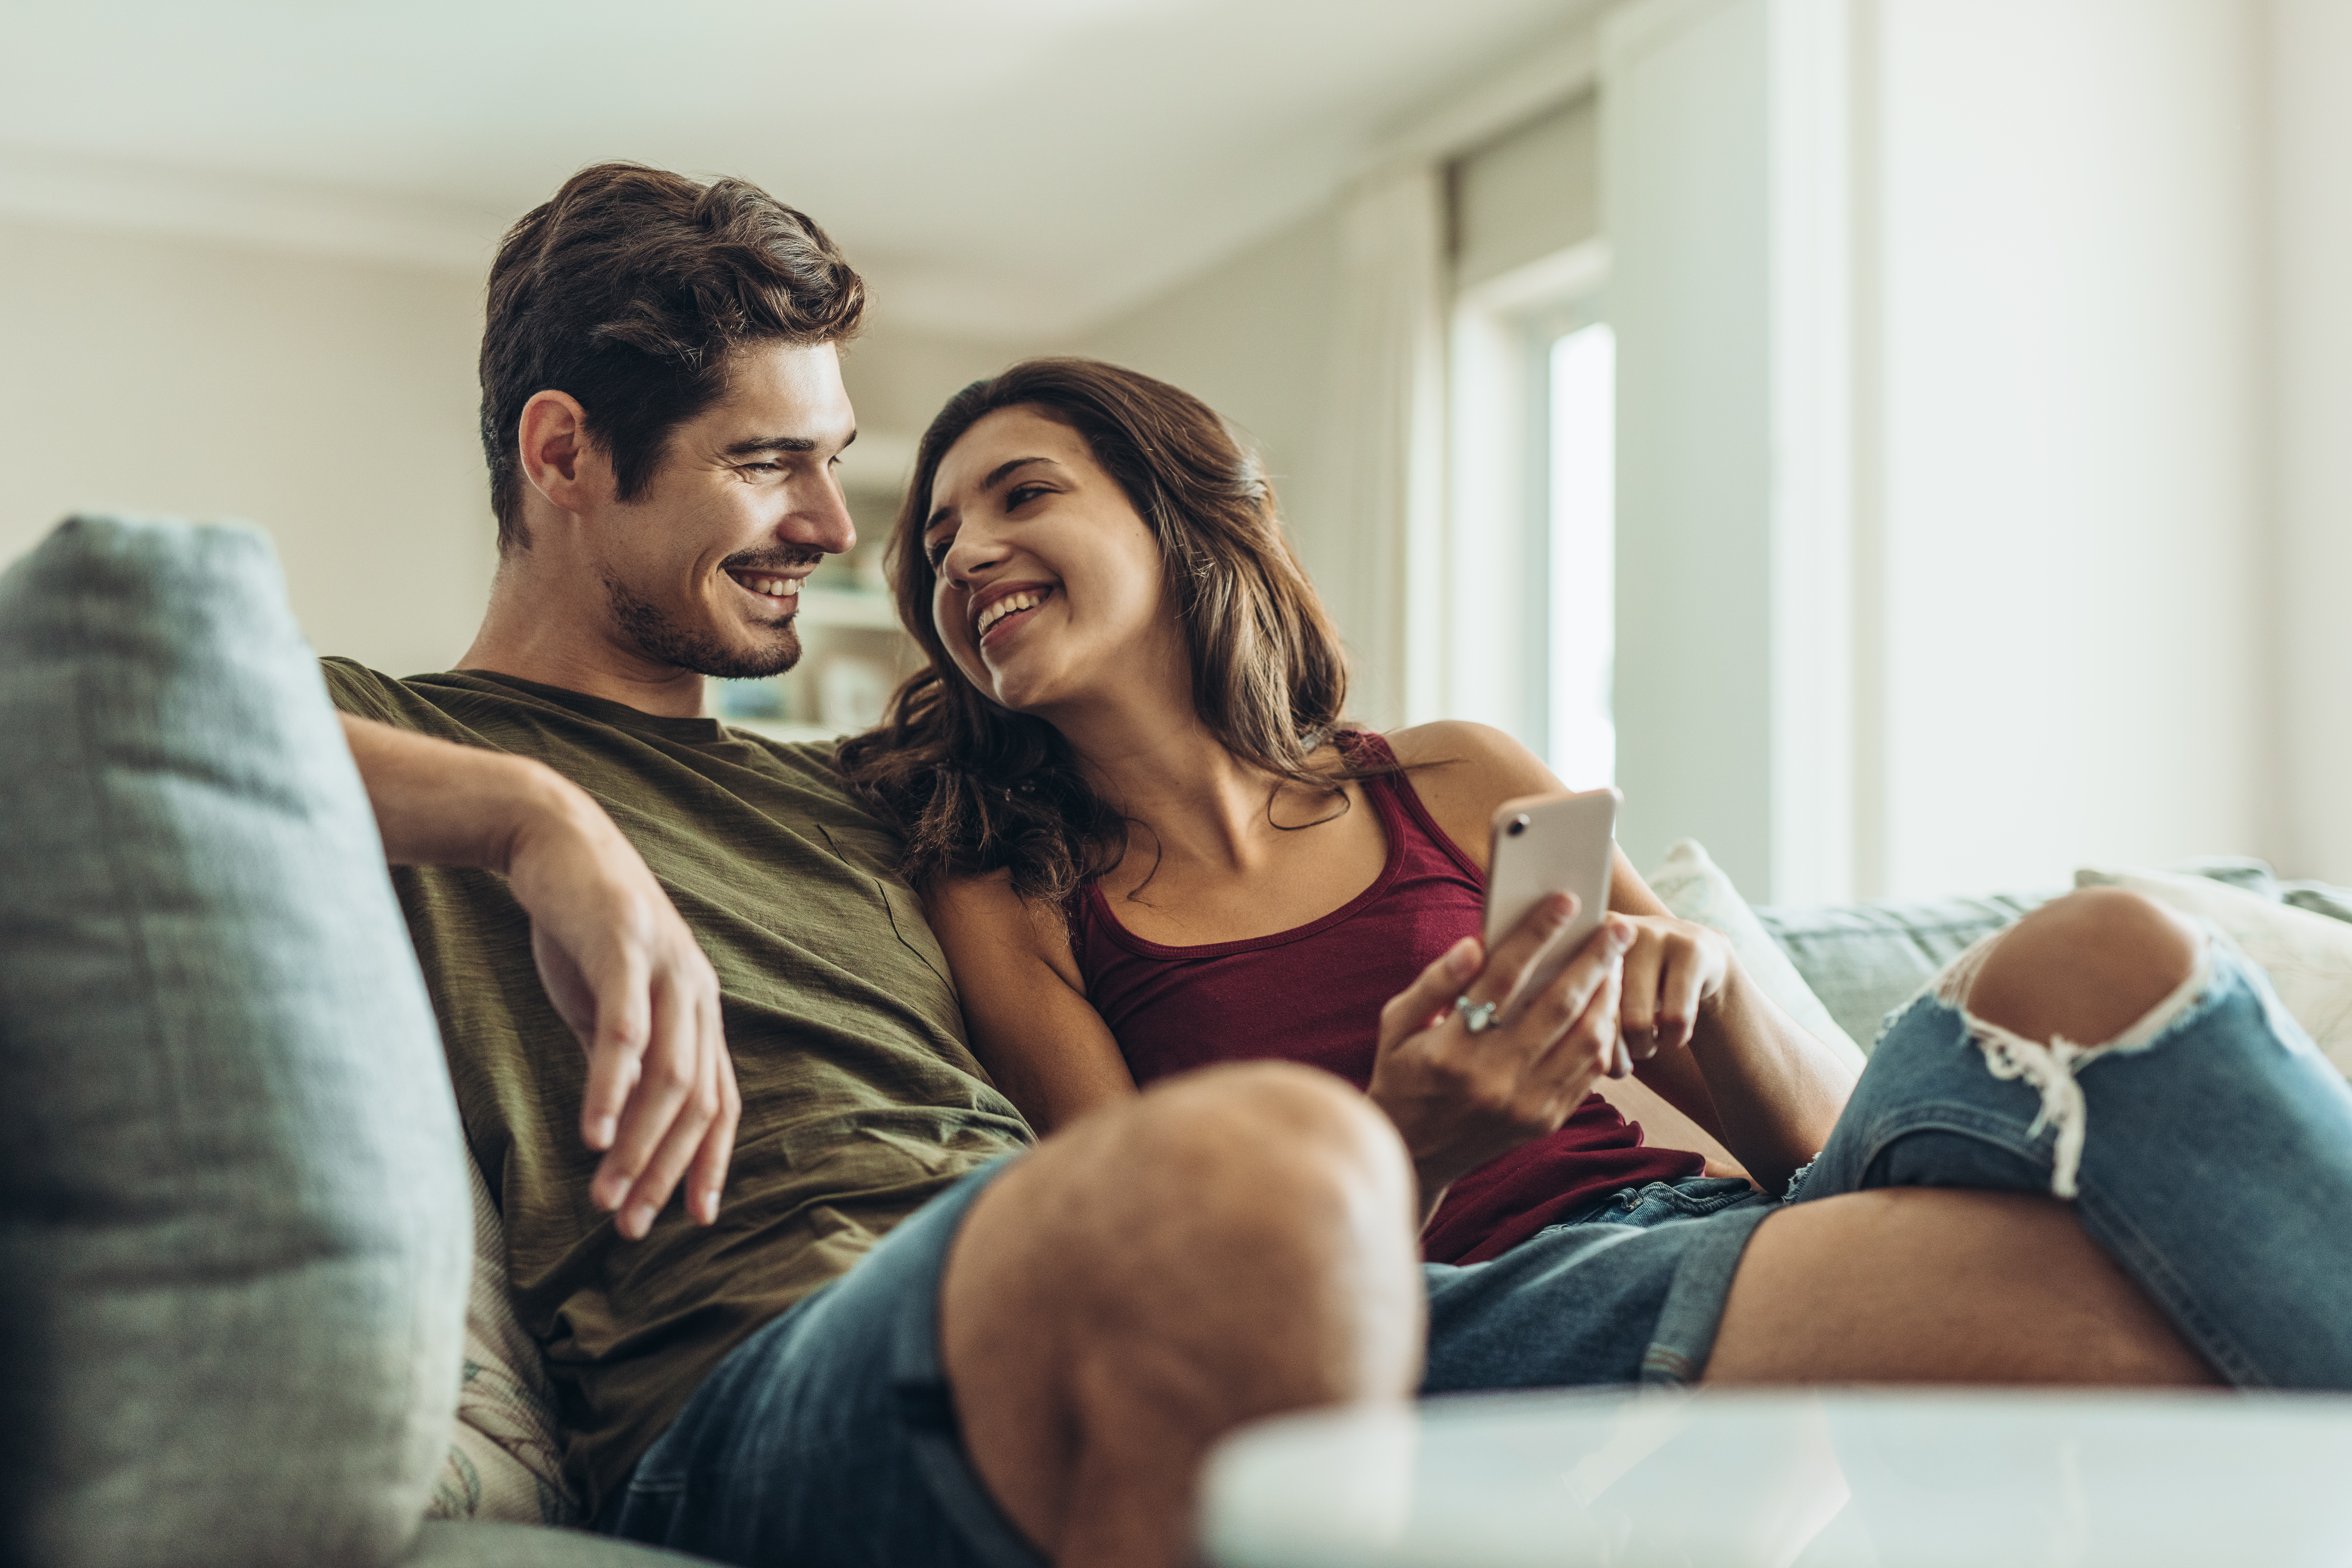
column 1387, row 443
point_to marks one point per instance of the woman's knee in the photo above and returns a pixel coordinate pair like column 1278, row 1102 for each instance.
column 2084, row 967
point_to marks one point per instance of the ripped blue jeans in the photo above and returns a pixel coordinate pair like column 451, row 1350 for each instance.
column 2208, row 1149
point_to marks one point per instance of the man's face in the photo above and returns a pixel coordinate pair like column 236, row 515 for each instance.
column 703, row 570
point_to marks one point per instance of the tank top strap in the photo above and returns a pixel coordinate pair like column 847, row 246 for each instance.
column 1402, row 813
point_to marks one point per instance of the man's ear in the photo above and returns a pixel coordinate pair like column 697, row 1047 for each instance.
column 558, row 456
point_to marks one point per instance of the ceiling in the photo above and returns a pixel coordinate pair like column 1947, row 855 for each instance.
column 999, row 167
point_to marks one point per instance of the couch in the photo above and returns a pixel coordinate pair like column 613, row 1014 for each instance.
column 235, row 1229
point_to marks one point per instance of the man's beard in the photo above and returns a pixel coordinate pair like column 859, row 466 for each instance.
column 663, row 641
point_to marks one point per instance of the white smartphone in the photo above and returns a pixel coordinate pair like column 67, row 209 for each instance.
column 1545, row 844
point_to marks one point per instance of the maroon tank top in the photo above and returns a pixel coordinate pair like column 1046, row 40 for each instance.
column 1313, row 994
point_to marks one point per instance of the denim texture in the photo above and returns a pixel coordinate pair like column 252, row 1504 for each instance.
column 2217, row 1169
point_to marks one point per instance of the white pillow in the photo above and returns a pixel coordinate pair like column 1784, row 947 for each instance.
column 506, row 1455
column 2308, row 957
column 1694, row 887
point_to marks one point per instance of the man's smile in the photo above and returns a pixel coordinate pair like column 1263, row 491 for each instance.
column 768, row 584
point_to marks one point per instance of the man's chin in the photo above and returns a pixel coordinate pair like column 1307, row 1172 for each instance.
column 780, row 654
column 752, row 652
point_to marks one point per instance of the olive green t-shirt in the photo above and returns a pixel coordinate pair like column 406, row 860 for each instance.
column 861, row 1099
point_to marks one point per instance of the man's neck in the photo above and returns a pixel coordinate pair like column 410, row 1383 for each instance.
column 573, row 653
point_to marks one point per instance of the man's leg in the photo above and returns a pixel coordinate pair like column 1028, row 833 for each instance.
column 1236, row 1243
column 1924, row 1284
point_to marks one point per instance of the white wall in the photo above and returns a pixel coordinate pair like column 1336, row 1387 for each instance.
column 1253, row 338
column 332, row 402
column 2073, row 608
column 2310, row 70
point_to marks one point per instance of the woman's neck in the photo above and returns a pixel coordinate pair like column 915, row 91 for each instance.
column 1158, row 764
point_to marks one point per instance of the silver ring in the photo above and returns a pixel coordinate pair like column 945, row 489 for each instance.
column 1477, row 1016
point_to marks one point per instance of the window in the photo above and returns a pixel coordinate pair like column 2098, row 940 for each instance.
column 1530, row 552
column 1581, row 459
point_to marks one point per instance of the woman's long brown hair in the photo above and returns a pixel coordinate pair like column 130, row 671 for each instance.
column 975, row 787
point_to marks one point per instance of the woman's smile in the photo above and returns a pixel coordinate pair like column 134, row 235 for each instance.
column 1000, row 614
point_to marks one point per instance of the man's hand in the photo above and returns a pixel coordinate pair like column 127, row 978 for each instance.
column 1673, row 971
column 1460, row 1098
column 619, row 964
column 626, row 975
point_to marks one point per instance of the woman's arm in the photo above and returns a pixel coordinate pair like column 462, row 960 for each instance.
column 1761, row 1085
column 1024, row 1004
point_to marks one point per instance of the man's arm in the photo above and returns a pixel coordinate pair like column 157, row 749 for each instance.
column 619, row 964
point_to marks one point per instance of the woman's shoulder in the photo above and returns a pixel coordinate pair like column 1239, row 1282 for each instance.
column 1462, row 754
column 982, row 910
column 1462, row 770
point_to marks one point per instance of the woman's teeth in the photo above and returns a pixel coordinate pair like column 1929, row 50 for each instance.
column 773, row 587
column 1026, row 600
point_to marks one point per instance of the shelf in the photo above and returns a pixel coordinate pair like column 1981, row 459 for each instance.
column 861, row 609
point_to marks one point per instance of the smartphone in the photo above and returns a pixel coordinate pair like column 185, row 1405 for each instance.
column 1545, row 844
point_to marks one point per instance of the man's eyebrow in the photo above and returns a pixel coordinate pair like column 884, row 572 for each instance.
column 750, row 445
column 996, row 475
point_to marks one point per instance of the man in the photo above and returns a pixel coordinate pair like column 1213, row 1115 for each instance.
column 886, row 1346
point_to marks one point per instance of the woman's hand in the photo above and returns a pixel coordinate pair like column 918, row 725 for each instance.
column 1460, row 1098
column 1674, row 971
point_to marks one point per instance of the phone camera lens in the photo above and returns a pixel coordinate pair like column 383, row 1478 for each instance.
column 1518, row 825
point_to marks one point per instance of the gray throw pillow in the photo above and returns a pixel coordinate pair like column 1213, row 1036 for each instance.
column 234, row 1231
column 1865, row 959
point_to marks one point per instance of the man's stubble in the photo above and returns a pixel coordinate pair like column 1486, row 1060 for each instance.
column 660, row 638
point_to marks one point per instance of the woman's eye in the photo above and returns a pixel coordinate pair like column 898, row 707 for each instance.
column 936, row 550
column 1020, row 496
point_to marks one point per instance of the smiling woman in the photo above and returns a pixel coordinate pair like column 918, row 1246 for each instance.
column 1148, row 842
column 1088, row 454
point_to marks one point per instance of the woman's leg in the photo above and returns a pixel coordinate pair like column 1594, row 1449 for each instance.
column 2206, row 1147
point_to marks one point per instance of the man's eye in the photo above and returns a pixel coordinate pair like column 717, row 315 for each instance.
column 762, row 468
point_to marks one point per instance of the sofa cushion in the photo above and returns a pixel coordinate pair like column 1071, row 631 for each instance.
column 1694, row 887
column 506, row 1452
column 233, row 1219
column 445, row 1545
column 1864, row 961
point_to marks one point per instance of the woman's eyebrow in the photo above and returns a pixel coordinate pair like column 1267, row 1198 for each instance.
column 996, row 475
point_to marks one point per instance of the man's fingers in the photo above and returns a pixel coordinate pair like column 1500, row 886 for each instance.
column 1432, row 991
column 617, row 1055
column 671, row 1077
column 706, row 1177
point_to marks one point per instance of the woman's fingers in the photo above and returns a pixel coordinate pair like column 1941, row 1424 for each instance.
column 1432, row 993
column 1645, row 963
column 1508, row 966
column 1589, row 1046
column 1681, row 989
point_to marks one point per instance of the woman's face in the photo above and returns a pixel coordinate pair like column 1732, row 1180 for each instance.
column 1048, row 585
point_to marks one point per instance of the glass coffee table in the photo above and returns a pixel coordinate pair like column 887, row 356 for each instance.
column 1847, row 1479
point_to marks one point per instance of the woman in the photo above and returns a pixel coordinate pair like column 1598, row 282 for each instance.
column 1148, row 842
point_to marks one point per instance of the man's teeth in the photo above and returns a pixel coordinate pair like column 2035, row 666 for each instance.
column 774, row 587
column 996, row 612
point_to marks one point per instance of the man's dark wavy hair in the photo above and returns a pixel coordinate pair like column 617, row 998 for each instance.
column 630, row 290
column 975, row 787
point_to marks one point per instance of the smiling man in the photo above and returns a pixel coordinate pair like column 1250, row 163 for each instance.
column 671, row 958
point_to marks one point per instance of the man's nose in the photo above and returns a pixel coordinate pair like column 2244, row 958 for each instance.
column 823, row 521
